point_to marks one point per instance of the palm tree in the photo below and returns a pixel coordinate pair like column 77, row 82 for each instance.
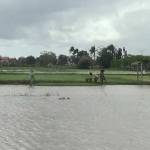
column 93, row 53
column 76, row 51
column 112, row 49
column 71, row 50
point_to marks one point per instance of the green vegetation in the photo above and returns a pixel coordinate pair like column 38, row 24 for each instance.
column 95, row 57
column 69, row 77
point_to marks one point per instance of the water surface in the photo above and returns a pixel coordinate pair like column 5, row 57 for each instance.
column 75, row 118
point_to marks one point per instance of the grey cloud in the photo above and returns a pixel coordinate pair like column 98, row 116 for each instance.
column 135, row 31
column 56, row 25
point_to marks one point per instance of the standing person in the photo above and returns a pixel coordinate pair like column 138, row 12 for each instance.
column 91, row 76
column 102, row 76
column 31, row 77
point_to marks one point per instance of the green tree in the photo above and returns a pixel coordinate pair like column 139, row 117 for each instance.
column 84, row 62
column 82, row 53
column 30, row 60
column 47, row 58
column 62, row 60
column 74, row 58
column 111, row 49
column 119, row 54
column 73, row 51
column 93, row 52
column 21, row 61
column 105, row 58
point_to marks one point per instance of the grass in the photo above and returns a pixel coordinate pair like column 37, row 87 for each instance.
column 65, row 76
column 58, row 70
column 127, row 80
column 70, row 79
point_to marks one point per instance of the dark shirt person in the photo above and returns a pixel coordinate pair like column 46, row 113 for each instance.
column 31, row 77
column 91, row 75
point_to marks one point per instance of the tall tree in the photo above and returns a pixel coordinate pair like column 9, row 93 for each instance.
column 82, row 53
column 73, row 51
column 62, row 60
column 47, row 58
column 105, row 58
column 84, row 62
column 119, row 54
column 21, row 61
column 93, row 52
column 76, row 51
column 30, row 60
column 74, row 58
column 112, row 49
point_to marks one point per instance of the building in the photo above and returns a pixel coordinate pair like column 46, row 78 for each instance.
column 7, row 60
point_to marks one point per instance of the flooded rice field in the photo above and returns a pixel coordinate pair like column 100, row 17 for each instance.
column 75, row 118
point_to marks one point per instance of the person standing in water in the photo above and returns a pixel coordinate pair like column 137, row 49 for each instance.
column 31, row 77
column 102, row 76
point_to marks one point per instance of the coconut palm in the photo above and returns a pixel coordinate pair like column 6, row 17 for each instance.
column 75, row 52
column 93, row 53
column 71, row 50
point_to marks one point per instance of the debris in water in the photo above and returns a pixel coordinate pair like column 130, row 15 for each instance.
column 48, row 94
column 64, row 98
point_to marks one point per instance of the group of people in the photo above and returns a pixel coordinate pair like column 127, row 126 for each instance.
column 96, row 77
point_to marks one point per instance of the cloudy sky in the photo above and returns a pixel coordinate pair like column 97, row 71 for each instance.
column 28, row 27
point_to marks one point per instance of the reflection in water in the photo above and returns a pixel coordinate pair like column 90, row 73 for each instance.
column 71, row 118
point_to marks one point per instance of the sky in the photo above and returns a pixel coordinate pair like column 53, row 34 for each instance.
column 28, row 27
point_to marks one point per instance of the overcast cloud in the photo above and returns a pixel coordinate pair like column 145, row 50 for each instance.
column 28, row 27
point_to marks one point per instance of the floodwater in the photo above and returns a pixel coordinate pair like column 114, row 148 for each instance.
column 75, row 118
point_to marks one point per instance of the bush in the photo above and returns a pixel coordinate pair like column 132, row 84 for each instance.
column 84, row 62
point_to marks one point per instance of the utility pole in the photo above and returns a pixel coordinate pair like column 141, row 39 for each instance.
column 137, row 71
column 142, row 71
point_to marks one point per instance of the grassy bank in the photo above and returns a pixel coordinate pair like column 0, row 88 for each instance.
column 70, row 79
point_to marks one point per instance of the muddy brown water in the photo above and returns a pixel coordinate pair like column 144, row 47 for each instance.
column 75, row 118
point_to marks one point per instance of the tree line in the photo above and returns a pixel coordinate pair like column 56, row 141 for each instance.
column 95, row 57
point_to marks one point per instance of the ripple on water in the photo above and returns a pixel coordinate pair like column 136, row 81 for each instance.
column 61, row 118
